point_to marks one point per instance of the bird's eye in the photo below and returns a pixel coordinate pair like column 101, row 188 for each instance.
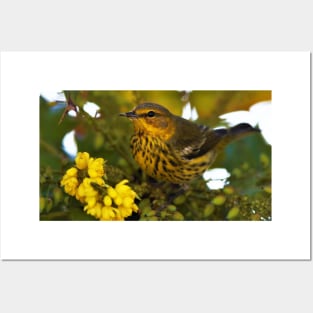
column 151, row 113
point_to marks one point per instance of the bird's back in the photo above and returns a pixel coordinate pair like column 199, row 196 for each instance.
column 170, row 148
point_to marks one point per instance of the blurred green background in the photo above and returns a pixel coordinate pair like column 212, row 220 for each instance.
column 246, row 195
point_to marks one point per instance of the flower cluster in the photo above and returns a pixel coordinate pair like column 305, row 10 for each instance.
column 86, row 182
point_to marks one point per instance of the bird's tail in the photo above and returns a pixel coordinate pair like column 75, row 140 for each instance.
column 234, row 133
column 242, row 130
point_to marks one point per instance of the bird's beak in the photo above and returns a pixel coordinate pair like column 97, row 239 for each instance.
column 130, row 115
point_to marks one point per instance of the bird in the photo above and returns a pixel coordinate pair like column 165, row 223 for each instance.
column 170, row 148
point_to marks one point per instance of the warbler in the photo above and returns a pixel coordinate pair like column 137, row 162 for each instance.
column 170, row 148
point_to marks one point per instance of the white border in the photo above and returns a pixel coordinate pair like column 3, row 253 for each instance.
column 25, row 74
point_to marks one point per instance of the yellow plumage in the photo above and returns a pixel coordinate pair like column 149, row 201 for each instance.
column 170, row 148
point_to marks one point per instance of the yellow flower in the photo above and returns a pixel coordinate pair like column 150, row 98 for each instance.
column 97, row 180
column 71, row 172
column 70, row 181
column 112, row 192
column 96, row 167
column 70, row 185
column 86, row 191
column 89, row 190
column 95, row 211
column 128, row 202
column 117, row 218
column 91, row 201
column 118, row 202
column 125, row 191
column 127, row 211
column 116, row 205
column 108, row 213
column 122, row 197
column 107, row 201
column 81, row 194
column 81, row 160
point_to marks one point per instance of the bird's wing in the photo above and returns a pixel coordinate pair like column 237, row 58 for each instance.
column 192, row 140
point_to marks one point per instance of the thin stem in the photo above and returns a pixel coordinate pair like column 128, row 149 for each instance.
column 119, row 149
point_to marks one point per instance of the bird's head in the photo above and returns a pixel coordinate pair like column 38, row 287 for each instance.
column 152, row 119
